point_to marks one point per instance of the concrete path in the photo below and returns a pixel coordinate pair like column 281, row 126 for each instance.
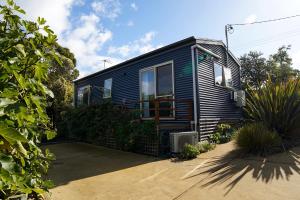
column 83, row 171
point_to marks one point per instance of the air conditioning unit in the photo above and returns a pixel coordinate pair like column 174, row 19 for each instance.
column 178, row 140
column 239, row 98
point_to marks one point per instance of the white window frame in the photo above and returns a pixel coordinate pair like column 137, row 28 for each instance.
column 223, row 67
column 89, row 95
column 154, row 68
column 110, row 94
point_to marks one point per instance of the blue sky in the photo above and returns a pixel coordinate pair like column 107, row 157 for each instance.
column 121, row 29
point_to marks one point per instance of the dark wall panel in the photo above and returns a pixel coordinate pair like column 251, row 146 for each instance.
column 214, row 103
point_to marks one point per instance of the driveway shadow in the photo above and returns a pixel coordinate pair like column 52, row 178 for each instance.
column 233, row 166
column 75, row 161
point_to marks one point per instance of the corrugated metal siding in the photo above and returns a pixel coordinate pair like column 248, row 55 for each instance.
column 214, row 103
column 125, row 84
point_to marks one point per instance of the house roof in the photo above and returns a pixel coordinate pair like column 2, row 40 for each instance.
column 186, row 41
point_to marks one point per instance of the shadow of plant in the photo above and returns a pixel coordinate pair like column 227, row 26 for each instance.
column 232, row 167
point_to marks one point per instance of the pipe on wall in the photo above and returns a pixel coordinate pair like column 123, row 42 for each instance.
column 194, row 78
column 194, row 87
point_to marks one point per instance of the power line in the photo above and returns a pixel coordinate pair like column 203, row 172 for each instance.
column 229, row 28
column 272, row 38
column 265, row 21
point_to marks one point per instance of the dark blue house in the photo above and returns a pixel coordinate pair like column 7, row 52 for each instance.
column 186, row 85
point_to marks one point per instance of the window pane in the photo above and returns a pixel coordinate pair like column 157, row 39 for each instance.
column 83, row 95
column 86, row 96
column 147, row 93
column 79, row 96
column 228, row 78
column 218, row 74
column 164, row 80
column 107, row 88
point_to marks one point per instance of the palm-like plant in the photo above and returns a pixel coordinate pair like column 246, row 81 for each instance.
column 276, row 105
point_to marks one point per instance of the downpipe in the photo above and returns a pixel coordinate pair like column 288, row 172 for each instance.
column 194, row 88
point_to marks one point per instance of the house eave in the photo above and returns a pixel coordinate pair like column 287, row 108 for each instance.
column 189, row 40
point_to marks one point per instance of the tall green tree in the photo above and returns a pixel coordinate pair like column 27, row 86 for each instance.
column 60, row 82
column 26, row 51
column 255, row 69
column 61, row 76
column 280, row 64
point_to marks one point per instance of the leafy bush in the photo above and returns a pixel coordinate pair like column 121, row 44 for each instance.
column 276, row 105
column 189, row 152
column 205, row 146
column 222, row 134
column 215, row 138
column 24, row 60
column 256, row 138
column 97, row 123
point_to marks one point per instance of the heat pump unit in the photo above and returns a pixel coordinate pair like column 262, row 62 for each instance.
column 178, row 140
column 239, row 98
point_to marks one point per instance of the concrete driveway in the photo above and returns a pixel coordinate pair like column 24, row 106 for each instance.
column 84, row 171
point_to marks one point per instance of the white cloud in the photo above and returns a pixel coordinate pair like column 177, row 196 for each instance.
column 56, row 12
column 85, row 41
column 130, row 23
column 79, row 3
column 140, row 46
column 148, row 37
column 107, row 8
column 250, row 19
column 134, row 6
column 123, row 50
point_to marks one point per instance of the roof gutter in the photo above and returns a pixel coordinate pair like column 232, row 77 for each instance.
column 194, row 79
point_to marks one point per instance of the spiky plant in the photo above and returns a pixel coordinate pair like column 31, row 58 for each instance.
column 276, row 105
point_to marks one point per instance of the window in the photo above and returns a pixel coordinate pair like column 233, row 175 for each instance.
column 157, row 83
column 83, row 96
column 228, row 79
column 222, row 76
column 147, row 93
column 107, row 88
column 164, row 80
column 218, row 74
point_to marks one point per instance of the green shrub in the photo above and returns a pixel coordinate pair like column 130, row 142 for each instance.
column 215, row 138
column 256, row 138
column 189, row 152
column 222, row 134
column 97, row 123
column 205, row 146
column 276, row 105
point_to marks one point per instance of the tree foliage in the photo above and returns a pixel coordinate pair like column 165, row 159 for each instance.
column 61, row 75
column 280, row 65
column 26, row 50
column 255, row 69
column 60, row 82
